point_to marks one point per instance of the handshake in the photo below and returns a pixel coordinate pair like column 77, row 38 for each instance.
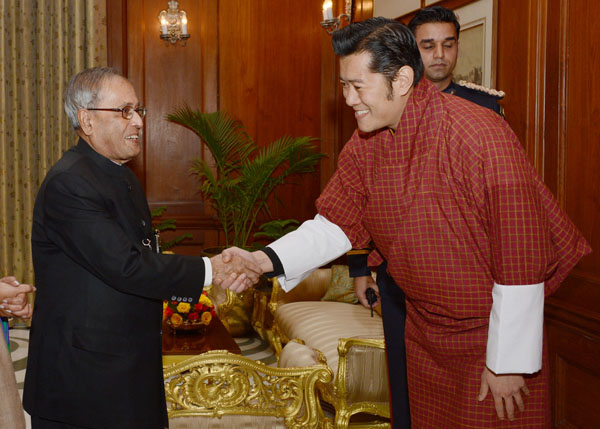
column 237, row 269
column 13, row 298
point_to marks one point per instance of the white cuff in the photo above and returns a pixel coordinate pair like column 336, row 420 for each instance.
column 287, row 283
column 315, row 243
column 516, row 329
column 207, row 271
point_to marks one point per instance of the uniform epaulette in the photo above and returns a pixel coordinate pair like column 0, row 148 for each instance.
column 490, row 91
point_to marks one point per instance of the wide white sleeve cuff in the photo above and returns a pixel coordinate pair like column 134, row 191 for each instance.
column 516, row 329
column 316, row 242
column 207, row 271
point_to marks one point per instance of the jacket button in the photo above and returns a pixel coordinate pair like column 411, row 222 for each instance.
column 143, row 222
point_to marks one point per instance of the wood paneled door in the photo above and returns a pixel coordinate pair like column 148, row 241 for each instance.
column 547, row 58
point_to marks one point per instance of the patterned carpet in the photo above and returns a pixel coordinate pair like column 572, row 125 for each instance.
column 253, row 347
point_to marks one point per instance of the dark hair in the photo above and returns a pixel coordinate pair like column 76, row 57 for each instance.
column 434, row 14
column 390, row 43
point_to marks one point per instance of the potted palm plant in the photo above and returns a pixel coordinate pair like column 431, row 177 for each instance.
column 244, row 175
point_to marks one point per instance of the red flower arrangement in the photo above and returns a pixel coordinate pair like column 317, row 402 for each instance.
column 183, row 314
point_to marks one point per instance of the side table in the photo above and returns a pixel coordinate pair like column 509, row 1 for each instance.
column 179, row 346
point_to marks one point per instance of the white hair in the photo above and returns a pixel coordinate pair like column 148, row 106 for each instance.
column 83, row 91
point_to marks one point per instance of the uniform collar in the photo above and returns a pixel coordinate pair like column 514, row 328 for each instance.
column 451, row 88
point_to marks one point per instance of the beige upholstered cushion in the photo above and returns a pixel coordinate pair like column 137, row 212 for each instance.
column 321, row 323
column 341, row 286
column 297, row 355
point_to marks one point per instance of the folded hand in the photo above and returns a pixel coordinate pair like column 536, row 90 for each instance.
column 13, row 298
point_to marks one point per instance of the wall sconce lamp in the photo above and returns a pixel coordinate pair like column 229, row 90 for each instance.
column 173, row 24
column 329, row 23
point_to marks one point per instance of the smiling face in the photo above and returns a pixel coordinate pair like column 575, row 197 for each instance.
column 438, row 45
column 108, row 133
column 375, row 105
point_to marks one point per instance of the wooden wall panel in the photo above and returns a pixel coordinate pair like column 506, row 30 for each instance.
column 573, row 313
column 259, row 60
column 513, row 54
column 270, row 78
column 552, row 105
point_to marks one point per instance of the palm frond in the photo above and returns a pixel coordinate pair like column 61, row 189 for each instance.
column 243, row 176
column 226, row 138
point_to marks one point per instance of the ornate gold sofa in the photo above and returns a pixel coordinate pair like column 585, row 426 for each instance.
column 218, row 390
column 341, row 335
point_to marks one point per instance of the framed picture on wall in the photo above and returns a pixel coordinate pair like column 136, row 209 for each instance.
column 477, row 43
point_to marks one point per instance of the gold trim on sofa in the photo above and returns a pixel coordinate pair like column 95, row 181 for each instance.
column 344, row 410
column 219, row 383
column 335, row 393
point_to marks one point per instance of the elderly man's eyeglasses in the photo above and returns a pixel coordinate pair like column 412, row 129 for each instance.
column 126, row 111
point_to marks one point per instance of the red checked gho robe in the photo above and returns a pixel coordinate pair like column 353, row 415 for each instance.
column 453, row 204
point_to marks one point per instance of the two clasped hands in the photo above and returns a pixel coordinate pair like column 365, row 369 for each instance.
column 13, row 298
column 237, row 269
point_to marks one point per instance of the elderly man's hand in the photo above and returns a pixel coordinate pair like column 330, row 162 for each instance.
column 235, row 273
column 13, row 298
column 257, row 258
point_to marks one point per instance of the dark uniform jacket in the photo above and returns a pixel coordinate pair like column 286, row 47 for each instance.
column 95, row 344
column 474, row 95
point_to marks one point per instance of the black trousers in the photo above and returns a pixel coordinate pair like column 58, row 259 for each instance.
column 393, row 310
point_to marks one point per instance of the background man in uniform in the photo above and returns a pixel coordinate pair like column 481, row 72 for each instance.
column 95, row 344
column 437, row 31
column 446, row 193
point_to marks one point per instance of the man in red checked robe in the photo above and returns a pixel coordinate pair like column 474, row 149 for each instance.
column 470, row 233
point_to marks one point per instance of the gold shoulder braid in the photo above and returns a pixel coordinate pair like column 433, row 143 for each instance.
column 490, row 91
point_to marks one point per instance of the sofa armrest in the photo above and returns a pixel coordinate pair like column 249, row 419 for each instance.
column 361, row 384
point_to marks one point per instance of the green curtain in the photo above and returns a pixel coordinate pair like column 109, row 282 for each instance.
column 42, row 44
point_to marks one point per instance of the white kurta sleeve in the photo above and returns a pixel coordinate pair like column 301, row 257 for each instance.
column 208, row 274
column 315, row 243
column 516, row 329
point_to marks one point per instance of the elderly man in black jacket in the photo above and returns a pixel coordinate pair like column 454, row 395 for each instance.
column 95, row 346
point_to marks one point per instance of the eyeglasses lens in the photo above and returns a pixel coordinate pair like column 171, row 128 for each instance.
column 127, row 111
